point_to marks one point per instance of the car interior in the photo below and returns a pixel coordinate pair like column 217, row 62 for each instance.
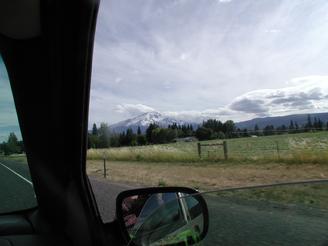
column 47, row 49
column 46, row 56
column 46, row 52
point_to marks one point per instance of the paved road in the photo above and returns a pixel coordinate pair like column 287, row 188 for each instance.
column 243, row 223
column 231, row 222
column 16, row 189
column 263, row 223
column 106, row 193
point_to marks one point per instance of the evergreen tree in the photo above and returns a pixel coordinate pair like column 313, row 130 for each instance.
column 256, row 129
column 2, row 147
column 114, row 140
column 163, row 135
column 319, row 125
column 12, row 146
column 291, row 127
column 221, row 135
column 203, row 133
column 269, row 130
column 93, row 141
column 139, row 131
column 309, row 124
column 151, row 127
column 245, row 133
column 103, row 136
column 89, row 142
column 315, row 123
column 229, row 128
column 122, row 139
column 141, row 140
column 94, row 129
column 130, row 138
column 282, row 129
column 297, row 128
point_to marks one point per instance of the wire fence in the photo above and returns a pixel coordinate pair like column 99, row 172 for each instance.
column 274, row 147
column 304, row 147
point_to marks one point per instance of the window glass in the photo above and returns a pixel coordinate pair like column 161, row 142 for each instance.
column 207, row 94
column 16, row 187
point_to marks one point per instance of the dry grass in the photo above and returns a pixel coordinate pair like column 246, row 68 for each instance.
column 288, row 148
column 205, row 176
column 155, row 153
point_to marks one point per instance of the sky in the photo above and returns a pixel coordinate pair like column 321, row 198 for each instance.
column 198, row 59
column 8, row 116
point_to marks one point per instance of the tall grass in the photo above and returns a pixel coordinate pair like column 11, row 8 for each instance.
column 291, row 149
column 152, row 153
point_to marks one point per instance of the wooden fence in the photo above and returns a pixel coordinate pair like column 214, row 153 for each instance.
column 224, row 145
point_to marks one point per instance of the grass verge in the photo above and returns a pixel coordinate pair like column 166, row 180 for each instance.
column 205, row 176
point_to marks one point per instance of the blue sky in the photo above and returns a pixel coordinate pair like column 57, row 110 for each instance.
column 197, row 59
column 8, row 116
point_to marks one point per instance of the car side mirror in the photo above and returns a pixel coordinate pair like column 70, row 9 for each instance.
column 162, row 216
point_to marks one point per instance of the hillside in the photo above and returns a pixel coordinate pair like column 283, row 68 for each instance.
column 301, row 119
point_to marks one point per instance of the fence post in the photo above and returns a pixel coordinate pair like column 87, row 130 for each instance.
column 225, row 150
column 105, row 171
column 199, row 150
column 278, row 150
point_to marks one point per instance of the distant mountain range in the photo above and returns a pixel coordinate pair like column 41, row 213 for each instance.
column 145, row 119
column 301, row 119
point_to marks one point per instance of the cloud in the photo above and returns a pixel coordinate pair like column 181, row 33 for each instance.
column 225, row 1
column 249, row 106
column 272, row 31
column 200, row 115
column 299, row 99
column 193, row 56
column 303, row 94
column 133, row 109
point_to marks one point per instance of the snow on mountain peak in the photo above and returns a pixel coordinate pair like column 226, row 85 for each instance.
column 144, row 120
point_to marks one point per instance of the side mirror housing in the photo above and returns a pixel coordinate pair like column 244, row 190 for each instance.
column 162, row 216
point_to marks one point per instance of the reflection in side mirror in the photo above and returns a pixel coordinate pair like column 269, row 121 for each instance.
column 162, row 216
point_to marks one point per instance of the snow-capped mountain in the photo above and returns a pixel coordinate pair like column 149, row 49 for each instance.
column 144, row 120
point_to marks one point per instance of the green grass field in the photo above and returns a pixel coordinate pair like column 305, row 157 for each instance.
column 310, row 195
column 291, row 148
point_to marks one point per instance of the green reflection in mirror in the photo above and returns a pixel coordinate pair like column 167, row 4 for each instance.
column 163, row 219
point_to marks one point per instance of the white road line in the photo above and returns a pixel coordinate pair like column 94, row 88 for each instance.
column 26, row 180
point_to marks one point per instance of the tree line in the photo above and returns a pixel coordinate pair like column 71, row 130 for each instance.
column 12, row 145
column 102, row 137
column 312, row 125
